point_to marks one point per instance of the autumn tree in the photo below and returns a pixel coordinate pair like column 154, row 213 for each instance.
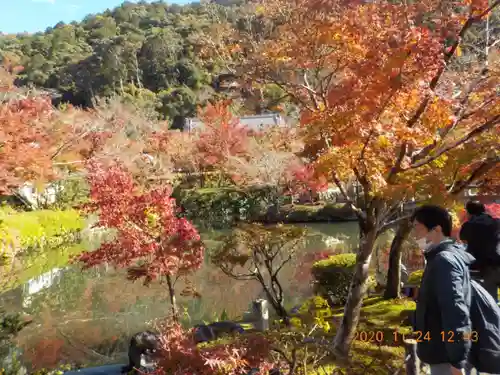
column 474, row 163
column 24, row 139
column 203, row 150
column 263, row 160
column 150, row 240
column 370, row 79
column 221, row 137
column 174, row 151
column 40, row 143
column 24, row 143
column 271, row 161
column 257, row 252
column 179, row 354
column 469, row 84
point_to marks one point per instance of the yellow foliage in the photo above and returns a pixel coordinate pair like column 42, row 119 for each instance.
column 316, row 308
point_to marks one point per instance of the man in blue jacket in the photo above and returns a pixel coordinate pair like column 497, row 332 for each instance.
column 442, row 318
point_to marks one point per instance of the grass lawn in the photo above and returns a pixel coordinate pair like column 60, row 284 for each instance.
column 36, row 228
column 378, row 347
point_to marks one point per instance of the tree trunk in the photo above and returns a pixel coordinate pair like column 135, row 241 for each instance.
column 202, row 180
column 274, row 299
column 173, row 302
column 278, row 291
column 345, row 334
column 221, row 179
column 393, row 286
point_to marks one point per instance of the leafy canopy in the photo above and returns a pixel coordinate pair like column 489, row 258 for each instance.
column 150, row 239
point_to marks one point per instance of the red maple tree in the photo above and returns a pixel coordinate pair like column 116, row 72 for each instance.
column 24, row 142
column 222, row 136
column 151, row 241
column 38, row 141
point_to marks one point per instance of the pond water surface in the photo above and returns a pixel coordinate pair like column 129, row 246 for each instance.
column 88, row 316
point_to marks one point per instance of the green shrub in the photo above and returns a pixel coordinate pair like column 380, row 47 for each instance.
column 10, row 326
column 70, row 193
column 415, row 278
column 216, row 207
column 332, row 277
column 40, row 228
column 315, row 213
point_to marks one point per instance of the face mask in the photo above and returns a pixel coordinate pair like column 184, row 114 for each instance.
column 422, row 243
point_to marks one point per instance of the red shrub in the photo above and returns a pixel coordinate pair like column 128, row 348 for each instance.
column 181, row 356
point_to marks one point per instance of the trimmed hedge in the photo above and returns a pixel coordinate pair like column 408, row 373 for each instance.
column 298, row 213
column 332, row 277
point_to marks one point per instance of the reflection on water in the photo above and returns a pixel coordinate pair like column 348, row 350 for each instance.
column 38, row 283
column 87, row 316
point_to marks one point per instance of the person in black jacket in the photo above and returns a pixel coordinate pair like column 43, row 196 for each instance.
column 481, row 234
column 442, row 318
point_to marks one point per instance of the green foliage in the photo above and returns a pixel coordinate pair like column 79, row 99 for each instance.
column 5, row 243
column 143, row 99
column 332, row 277
column 70, row 193
column 390, row 314
column 316, row 320
column 224, row 316
column 223, row 207
column 415, row 278
column 10, row 326
column 316, row 308
column 60, row 370
column 298, row 213
column 36, row 229
column 337, row 261
column 177, row 104
column 148, row 53
column 216, row 208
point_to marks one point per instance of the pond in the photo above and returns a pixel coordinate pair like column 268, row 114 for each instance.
column 88, row 316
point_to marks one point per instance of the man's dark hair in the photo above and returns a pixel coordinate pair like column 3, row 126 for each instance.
column 475, row 208
column 431, row 216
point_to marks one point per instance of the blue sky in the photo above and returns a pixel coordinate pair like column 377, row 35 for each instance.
column 36, row 15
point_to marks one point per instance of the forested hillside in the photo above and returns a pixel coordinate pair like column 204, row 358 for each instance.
column 145, row 52
column 154, row 55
